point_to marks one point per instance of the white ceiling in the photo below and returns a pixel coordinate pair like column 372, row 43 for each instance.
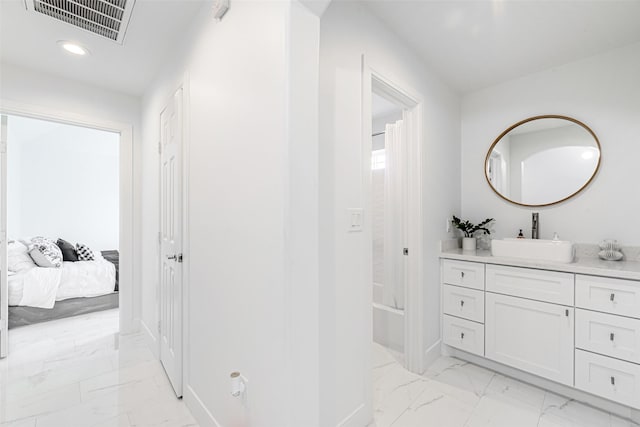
column 475, row 44
column 469, row 44
column 28, row 39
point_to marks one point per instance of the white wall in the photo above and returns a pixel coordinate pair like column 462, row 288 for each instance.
column 601, row 91
column 42, row 93
column 348, row 30
column 64, row 182
column 252, row 302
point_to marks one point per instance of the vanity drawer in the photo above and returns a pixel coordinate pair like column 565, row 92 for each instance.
column 463, row 273
column 614, row 336
column 616, row 296
column 541, row 285
column 463, row 334
column 609, row 378
column 463, row 302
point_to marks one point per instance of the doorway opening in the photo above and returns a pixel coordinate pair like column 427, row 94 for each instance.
column 388, row 215
column 63, row 207
column 392, row 188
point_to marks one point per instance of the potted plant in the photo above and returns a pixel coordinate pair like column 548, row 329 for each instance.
column 469, row 229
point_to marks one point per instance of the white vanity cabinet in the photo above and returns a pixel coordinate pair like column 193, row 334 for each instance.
column 463, row 305
column 534, row 336
column 579, row 330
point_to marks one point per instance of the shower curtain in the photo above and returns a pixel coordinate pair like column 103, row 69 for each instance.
column 394, row 206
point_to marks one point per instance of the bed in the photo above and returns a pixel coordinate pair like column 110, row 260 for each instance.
column 38, row 294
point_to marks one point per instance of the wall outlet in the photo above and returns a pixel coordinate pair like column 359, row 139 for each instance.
column 219, row 8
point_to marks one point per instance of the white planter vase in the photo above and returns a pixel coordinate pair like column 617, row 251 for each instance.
column 468, row 243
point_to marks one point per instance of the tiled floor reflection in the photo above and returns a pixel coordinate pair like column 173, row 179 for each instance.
column 453, row 393
column 78, row 372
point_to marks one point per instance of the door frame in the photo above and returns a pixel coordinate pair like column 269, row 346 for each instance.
column 412, row 104
column 186, row 133
column 127, row 296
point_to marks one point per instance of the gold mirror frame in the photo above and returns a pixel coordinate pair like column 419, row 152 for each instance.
column 530, row 119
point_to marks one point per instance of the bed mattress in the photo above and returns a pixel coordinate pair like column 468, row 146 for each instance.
column 72, row 280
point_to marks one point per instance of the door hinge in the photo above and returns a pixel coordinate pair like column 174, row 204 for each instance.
column 159, row 327
column 405, row 251
column 159, row 237
column 159, row 147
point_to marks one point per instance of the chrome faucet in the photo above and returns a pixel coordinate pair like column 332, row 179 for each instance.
column 534, row 225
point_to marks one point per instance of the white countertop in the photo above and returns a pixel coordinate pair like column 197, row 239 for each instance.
column 591, row 266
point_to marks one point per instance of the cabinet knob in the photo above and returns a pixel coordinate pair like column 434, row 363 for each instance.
column 566, row 312
column 461, row 303
column 611, row 336
column 462, row 274
column 613, row 381
column 612, row 297
column 461, row 335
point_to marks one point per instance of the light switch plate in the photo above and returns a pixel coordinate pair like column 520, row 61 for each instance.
column 354, row 220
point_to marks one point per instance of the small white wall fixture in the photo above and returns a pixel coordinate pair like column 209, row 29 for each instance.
column 412, row 104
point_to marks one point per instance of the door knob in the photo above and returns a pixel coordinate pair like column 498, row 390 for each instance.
column 175, row 257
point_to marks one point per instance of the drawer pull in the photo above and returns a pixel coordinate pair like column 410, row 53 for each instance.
column 612, row 297
column 462, row 275
column 461, row 303
column 566, row 312
column 462, row 337
column 613, row 381
column 611, row 336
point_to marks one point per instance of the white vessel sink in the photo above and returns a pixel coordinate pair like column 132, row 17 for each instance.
column 533, row 249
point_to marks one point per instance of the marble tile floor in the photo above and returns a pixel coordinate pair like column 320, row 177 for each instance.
column 453, row 393
column 79, row 372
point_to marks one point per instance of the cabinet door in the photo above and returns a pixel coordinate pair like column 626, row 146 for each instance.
column 463, row 273
column 615, row 296
column 534, row 336
column 542, row 285
column 463, row 302
column 463, row 334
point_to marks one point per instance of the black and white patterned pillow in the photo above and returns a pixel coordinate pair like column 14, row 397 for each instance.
column 84, row 253
column 45, row 253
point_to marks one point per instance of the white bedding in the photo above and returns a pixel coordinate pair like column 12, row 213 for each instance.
column 42, row 287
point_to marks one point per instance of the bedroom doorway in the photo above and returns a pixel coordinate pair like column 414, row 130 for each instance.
column 60, row 223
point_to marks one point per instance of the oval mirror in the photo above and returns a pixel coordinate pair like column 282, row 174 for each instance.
column 542, row 160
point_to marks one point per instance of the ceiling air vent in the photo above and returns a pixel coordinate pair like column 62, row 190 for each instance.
column 107, row 18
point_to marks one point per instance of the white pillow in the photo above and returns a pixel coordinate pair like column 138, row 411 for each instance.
column 18, row 257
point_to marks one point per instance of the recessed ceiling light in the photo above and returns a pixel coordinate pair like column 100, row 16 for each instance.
column 73, row 48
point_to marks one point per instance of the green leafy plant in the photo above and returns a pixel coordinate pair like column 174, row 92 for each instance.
column 469, row 229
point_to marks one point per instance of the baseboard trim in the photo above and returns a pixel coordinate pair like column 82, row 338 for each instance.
column 198, row 410
column 352, row 420
column 150, row 338
column 432, row 354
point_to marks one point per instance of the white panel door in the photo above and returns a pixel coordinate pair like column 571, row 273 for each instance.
column 170, row 325
column 4, row 285
column 534, row 336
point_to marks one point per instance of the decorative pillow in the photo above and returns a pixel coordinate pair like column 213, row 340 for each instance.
column 68, row 251
column 45, row 253
column 18, row 257
column 84, row 253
